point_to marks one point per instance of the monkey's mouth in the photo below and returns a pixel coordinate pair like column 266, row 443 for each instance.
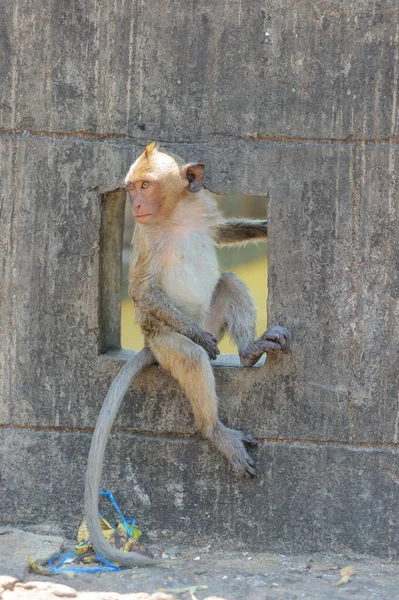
column 143, row 218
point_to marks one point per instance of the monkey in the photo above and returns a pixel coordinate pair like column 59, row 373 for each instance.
column 183, row 306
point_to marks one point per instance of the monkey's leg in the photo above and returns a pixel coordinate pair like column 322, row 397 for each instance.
column 232, row 308
column 273, row 336
column 189, row 364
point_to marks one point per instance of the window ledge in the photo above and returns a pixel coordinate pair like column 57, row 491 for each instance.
column 224, row 360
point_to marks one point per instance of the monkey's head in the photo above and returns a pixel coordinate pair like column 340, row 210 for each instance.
column 157, row 181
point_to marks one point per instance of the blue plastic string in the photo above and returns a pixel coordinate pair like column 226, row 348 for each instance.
column 125, row 523
column 60, row 566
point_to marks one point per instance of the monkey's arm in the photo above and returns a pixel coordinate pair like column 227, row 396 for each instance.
column 151, row 299
column 236, row 231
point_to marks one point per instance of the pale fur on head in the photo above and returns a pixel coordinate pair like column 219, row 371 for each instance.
column 156, row 165
column 199, row 209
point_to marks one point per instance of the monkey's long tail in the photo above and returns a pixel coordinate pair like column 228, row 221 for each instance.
column 106, row 418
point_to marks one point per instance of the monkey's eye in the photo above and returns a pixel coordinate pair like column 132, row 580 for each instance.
column 145, row 185
column 130, row 186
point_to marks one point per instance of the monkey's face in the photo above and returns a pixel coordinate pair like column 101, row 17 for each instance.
column 157, row 183
column 155, row 186
column 147, row 199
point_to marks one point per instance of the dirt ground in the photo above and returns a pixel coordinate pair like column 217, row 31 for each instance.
column 198, row 573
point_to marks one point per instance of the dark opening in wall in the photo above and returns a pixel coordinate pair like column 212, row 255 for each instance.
column 110, row 276
column 248, row 261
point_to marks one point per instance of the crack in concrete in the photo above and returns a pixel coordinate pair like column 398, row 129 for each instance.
column 286, row 139
column 89, row 136
column 256, row 138
column 176, row 434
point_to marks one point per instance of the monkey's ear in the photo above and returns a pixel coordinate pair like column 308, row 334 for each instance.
column 193, row 176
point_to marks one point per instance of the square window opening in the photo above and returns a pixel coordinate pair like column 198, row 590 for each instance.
column 248, row 261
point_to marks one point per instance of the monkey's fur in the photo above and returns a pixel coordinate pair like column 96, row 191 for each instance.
column 183, row 307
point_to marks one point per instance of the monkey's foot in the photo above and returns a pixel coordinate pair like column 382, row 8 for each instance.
column 230, row 442
column 275, row 339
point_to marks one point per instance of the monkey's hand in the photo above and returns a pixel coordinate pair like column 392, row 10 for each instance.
column 207, row 341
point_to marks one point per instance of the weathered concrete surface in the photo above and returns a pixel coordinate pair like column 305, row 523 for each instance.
column 16, row 546
column 243, row 69
column 308, row 497
column 333, row 281
column 299, row 101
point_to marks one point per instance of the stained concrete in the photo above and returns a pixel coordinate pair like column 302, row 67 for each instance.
column 298, row 101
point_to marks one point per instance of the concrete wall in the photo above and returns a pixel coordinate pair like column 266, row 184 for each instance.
column 296, row 98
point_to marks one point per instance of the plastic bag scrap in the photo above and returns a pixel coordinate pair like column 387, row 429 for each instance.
column 124, row 536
